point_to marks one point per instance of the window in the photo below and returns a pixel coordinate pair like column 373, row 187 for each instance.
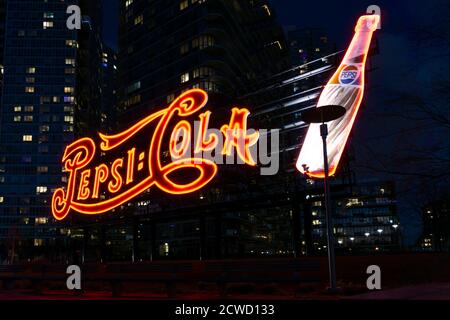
column 30, row 79
column 202, row 72
column 44, row 129
column 17, row 118
column 42, row 169
column 27, row 138
column 69, row 71
column 43, row 149
column 128, row 3
column 2, row 199
column 203, row 42
column 29, row 109
column 17, row 109
column 47, row 25
column 72, row 43
column 49, row 15
column 68, row 119
column 170, row 98
column 31, row 70
column 41, row 221
column 29, row 89
column 185, row 77
column 28, row 118
column 39, row 242
column 207, row 86
column 135, row 86
column 21, row 33
column 68, row 99
column 184, row 48
column 139, row 20
column 184, row 4
column 41, row 189
column 70, row 62
column 68, row 89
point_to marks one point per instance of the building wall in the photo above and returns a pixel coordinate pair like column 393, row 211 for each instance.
column 37, row 117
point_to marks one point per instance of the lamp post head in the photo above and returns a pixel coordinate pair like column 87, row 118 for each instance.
column 323, row 114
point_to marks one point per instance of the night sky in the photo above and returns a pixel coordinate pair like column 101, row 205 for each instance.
column 402, row 66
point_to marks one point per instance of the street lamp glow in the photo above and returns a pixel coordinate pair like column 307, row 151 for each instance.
column 395, row 226
column 367, row 234
column 380, row 230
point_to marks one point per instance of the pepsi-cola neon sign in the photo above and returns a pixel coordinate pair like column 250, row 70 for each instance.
column 95, row 186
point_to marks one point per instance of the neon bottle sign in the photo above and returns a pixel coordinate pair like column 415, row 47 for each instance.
column 95, row 187
column 345, row 88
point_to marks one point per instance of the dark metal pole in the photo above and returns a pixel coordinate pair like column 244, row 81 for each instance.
column 329, row 220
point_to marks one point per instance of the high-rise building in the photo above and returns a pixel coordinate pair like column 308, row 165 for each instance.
column 42, row 86
column 436, row 226
column 169, row 46
column 166, row 47
column 365, row 218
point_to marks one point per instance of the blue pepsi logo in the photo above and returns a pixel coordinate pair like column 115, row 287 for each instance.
column 349, row 75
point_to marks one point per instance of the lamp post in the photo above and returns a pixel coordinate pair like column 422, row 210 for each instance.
column 322, row 115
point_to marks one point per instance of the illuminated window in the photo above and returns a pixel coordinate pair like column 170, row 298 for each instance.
column 202, row 72
column 139, row 20
column 68, row 128
column 203, row 42
column 39, row 242
column 70, row 62
column 41, row 189
column 29, row 109
column 17, row 118
column 49, row 15
column 68, row 89
column 27, row 138
column 17, row 109
column 68, row 119
column 184, row 4
column 29, row 89
column 72, row 43
column 41, row 220
column 185, row 77
column 31, row 70
column 44, row 128
column 128, row 3
column 317, row 49
column 133, row 100
column 28, row 118
column 2, row 199
column 68, row 99
column 47, row 24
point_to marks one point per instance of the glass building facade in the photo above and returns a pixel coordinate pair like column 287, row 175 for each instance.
column 37, row 121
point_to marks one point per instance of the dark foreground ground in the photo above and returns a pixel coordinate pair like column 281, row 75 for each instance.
column 403, row 277
column 435, row 291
